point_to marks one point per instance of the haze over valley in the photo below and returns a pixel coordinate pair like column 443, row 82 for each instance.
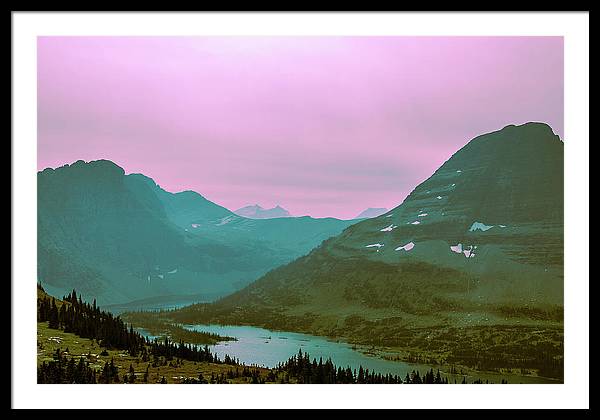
column 300, row 209
column 119, row 238
column 475, row 249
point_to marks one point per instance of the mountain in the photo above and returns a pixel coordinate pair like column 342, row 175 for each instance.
column 257, row 212
column 185, row 206
column 371, row 212
column 472, row 258
column 120, row 238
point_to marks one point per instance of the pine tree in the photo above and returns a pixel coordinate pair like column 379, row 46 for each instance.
column 53, row 316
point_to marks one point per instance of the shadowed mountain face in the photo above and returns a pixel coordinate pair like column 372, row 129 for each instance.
column 371, row 212
column 119, row 238
column 479, row 240
column 257, row 212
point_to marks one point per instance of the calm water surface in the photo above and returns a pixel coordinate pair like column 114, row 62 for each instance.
column 267, row 348
column 262, row 347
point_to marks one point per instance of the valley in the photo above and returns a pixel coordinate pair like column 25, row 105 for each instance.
column 465, row 275
column 79, row 343
column 124, row 241
column 468, row 270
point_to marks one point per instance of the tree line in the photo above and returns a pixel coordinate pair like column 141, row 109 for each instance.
column 73, row 315
column 87, row 320
column 64, row 370
column 303, row 370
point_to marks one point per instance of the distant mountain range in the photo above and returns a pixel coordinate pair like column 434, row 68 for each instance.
column 371, row 212
column 467, row 270
column 257, row 212
column 120, row 238
column 478, row 243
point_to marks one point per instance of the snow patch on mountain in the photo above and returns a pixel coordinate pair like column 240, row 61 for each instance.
column 225, row 220
column 469, row 253
column 389, row 228
column 456, row 248
column 480, row 226
column 406, row 247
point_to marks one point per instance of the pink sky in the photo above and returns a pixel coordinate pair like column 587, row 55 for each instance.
column 324, row 126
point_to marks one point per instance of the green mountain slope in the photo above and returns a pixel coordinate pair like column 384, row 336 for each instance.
column 120, row 238
column 479, row 243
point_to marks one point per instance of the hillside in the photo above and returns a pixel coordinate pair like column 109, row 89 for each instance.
column 371, row 212
column 79, row 343
column 471, row 260
column 119, row 238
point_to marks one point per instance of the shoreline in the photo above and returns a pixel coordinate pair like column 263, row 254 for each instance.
column 454, row 371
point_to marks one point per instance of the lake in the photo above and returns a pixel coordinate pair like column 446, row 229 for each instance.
column 262, row 347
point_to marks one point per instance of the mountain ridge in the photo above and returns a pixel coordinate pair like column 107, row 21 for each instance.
column 475, row 249
column 371, row 212
column 120, row 238
column 258, row 212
